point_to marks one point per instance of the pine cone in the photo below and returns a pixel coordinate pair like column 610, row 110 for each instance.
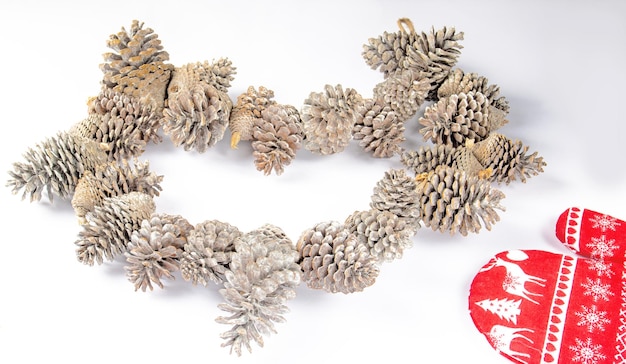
column 276, row 138
column 461, row 82
column 110, row 226
column 328, row 119
column 456, row 119
column 507, row 159
column 426, row 159
column 263, row 275
column 396, row 193
column 197, row 112
column 455, row 202
column 246, row 111
column 404, row 91
column 155, row 249
column 219, row 73
column 395, row 51
column 332, row 259
column 385, row 234
column 136, row 67
column 208, row 251
column 380, row 131
column 113, row 179
column 55, row 165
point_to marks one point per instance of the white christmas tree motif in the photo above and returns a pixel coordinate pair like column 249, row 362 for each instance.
column 604, row 222
column 601, row 267
column 592, row 318
column 597, row 290
column 586, row 352
column 601, row 248
column 505, row 309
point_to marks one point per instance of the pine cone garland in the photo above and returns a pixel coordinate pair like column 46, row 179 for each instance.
column 113, row 179
column 207, row 253
column 246, row 111
column 155, row 249
column 380, row 131
column 197, row 112
column 507, row 159
column 455, row 202
column 456, row 119
column 136, row 66
column 328, row 119
column 332, row 259
column 110, row 226
column 396, row 193
column 55, row 165
column 385, row 234
column 263, row 275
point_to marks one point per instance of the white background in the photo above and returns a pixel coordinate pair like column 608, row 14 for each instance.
column 560, row 64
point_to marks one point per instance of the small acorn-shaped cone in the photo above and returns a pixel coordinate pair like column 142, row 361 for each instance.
column 404, row 91
column 277, row 136
column 460, row 82
column 207, row 253
column 396, row 193
column 380, row 131
column 110, row 226
column 333, row 259
column 137, row 65
column 246, row 111
column 442, row 49
column 391, row 52
column 155, row 249
column 55, row 165
column 263, row 275
column 451, row 201
column 196, row 113
column 113, row 179
column 508, row 159
column 456, row 119
column 328, row 118
column 385, row 234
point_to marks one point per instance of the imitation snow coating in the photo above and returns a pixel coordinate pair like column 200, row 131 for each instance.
column 447, row 186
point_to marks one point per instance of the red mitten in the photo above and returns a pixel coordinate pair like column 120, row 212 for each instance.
column 539, row 307
column 592, row 234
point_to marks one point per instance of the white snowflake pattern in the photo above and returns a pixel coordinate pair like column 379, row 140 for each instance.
column 510, row 281
column 602, row 248
column 597, row 290
column 586, row 352
column 604, row 222
column 601, row 267
column 592, row 318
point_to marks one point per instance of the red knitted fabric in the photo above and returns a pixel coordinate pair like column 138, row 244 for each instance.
column 539, row 307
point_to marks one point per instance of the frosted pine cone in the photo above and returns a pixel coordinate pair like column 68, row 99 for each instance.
column 461, row 82
column 456, row 119
column 208, row 251
column 328, row 119
column 404, row 91
column 55, row 165
column 219, row 73
column 277, row 136
column 332, row 259
column 113, row 179
column 197, row 112
column 246, row 111
column 396, row 193
column 385, row 234
column 155, row 249
column 380, row 131
column 263, row 275
column 394, row 51
column 455, row 202
column 507, row 159
column 110, row 226
column 462, row 158
column 136, row 66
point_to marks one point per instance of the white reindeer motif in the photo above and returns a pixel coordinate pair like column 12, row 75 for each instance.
column 516, row 279
column 501, row 338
